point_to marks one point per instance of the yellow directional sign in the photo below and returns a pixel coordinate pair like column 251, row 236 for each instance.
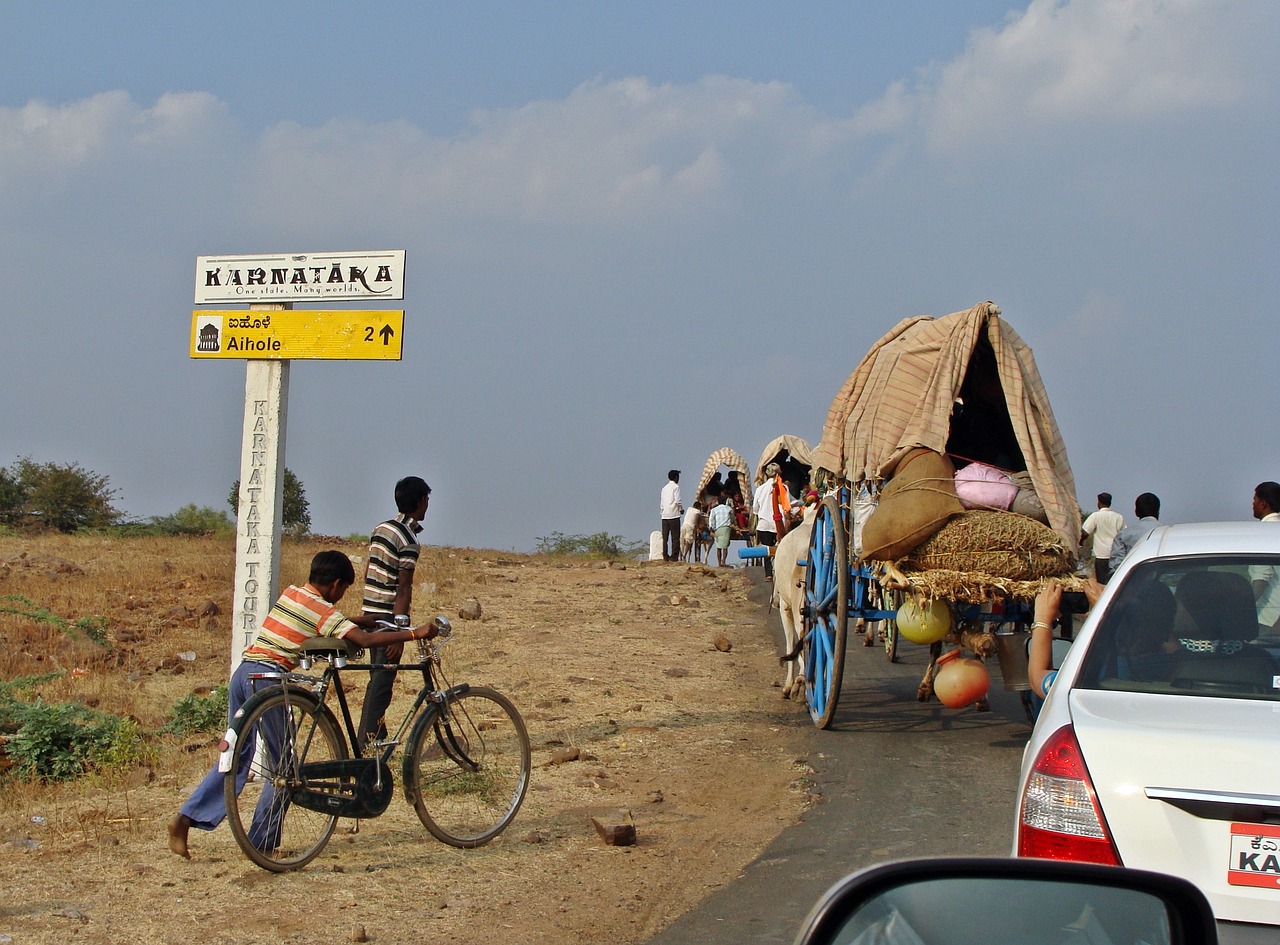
column 288, row 334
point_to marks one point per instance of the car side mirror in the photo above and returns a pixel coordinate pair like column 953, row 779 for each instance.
column 1006, row 901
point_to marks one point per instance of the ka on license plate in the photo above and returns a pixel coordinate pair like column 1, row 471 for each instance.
column 1255, row 856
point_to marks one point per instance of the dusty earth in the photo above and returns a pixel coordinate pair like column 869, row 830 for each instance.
column 662, row 677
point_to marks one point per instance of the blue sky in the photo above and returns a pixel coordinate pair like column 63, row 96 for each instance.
column 637, row 233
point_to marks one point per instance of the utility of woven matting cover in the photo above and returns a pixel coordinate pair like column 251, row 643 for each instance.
column 1004, row 545
column 901, row 395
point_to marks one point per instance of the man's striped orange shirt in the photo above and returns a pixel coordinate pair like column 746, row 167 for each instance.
column 297, row 616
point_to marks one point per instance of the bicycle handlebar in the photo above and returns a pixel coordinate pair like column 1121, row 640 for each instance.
column 441, row 624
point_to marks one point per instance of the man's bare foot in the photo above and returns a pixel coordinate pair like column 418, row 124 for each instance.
column 178, row 828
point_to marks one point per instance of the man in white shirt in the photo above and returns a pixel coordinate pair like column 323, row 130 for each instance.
column 1266, row 578
column 1103, row 525
column 720, row 522
column 671, row 509
column 764, row 503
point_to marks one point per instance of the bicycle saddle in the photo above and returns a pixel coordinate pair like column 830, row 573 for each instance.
column 327, row 647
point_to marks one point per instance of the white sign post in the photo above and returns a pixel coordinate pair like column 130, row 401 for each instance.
column 260, row 515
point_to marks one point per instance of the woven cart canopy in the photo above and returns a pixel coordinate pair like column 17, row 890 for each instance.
column 903, row 392
column 733, row 460
column 795, row 447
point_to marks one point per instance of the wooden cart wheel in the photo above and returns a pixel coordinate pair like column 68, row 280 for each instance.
column 826, row 617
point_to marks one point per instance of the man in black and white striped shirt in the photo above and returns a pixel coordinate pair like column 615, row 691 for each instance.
column 388, row 592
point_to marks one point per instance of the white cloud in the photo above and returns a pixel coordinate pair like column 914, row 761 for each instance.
column 610, row 153
column 1060, row 66
column 38, row 139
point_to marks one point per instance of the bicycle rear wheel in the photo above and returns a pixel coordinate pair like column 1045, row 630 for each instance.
column 467, row 767
column 287, row 730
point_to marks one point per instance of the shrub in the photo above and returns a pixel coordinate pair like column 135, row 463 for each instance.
column 296, row 513
column 61, row 740
column 193, row 714
column 599, row 545
column 192, row 520
column 65, row 497
column 57, row 741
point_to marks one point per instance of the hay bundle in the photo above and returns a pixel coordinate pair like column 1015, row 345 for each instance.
column 999, row 544
column 972, row 587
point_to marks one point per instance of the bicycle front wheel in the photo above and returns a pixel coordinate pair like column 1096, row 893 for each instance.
column 467, row 767
column 280, row 734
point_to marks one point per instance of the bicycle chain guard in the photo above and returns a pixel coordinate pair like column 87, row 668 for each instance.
column 352, row 787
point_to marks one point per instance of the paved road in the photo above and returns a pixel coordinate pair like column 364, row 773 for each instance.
column 897, row 779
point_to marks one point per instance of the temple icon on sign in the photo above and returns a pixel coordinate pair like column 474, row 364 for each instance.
column 209, row 333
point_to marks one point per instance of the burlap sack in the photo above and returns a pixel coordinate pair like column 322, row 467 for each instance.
column 914, row 504
column 1026, row 502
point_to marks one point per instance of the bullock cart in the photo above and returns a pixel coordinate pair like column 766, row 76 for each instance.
column 726, row 473
column 903, row 537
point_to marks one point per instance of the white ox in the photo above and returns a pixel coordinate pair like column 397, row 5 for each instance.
column 788, row 595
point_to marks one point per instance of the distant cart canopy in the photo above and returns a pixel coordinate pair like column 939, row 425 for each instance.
column 789, row 451
column 736, row 468
column 964, row 384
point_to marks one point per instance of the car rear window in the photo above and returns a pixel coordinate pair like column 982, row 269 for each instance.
column 1191, row 626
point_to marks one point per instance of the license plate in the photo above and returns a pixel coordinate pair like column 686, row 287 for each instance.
column 1255, row 856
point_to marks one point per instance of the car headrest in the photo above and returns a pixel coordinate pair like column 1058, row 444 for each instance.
column 1216, row 605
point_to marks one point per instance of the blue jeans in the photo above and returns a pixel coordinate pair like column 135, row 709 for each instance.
column 207, row 805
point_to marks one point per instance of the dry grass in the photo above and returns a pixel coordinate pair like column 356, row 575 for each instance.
column 154, row 598
column 620, row 664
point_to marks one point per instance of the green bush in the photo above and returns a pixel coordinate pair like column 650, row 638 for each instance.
column 57, row 741
column 599, row 545
column 61, row 740
column 193, row 714
column 51, row 495
column 295, row 516
column 191, row 520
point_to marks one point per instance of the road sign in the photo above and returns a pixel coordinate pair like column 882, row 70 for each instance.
column 288, row 334
column 301, row 277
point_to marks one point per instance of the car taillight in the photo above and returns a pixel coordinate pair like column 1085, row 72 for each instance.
column 1060, row 818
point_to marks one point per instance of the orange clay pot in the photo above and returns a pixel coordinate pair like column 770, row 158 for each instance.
column 960, row 682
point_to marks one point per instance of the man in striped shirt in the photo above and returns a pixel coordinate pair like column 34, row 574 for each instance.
column 300, row 614
column 388, row 593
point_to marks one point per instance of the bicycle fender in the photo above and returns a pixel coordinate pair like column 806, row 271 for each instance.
column 295, row 692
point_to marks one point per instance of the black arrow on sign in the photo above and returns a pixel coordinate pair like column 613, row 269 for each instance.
column 387, row 334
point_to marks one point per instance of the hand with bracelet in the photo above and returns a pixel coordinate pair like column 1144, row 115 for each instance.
column 1048, row 606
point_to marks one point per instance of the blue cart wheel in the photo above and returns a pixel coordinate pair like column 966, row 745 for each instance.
column 826, row 615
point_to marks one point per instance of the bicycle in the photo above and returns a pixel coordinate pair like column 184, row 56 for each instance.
column 465, row 770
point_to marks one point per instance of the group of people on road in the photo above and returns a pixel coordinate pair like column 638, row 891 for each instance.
column 709, row 522
column 1112, row 539
column 720, row 511
column 309, row 611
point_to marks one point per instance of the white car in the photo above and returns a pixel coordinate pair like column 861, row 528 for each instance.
column 1158, row 746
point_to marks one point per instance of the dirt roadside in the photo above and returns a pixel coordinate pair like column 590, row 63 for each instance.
column 620, row 663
